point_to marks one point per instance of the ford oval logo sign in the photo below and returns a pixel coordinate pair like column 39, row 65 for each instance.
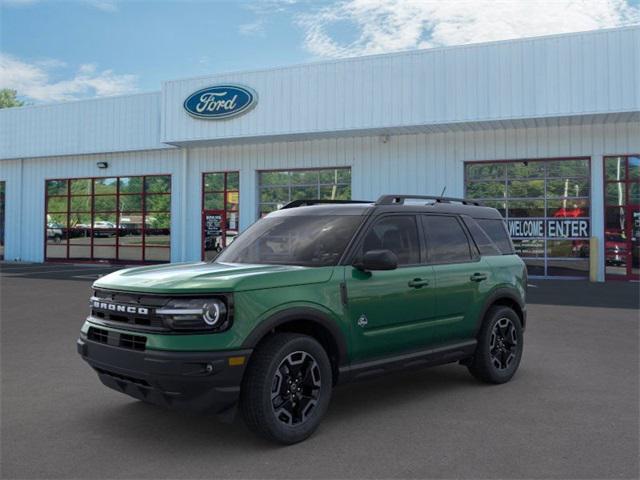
column 220, row 101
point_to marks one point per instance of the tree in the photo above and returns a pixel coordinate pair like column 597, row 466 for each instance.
column 8, row 98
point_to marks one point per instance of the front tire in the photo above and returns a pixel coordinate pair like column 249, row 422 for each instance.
column 500, row 344
column 287, row 388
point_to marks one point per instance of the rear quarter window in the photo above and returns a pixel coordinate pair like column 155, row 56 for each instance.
column 485, row 245
column 497, row 232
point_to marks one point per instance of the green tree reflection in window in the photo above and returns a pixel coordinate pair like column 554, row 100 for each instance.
column 280, row 187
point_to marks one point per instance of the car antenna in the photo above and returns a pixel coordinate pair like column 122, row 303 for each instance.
column 442, row 194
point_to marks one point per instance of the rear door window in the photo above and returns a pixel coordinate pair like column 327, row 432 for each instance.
column 446, row 239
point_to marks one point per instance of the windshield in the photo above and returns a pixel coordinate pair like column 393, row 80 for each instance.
column 312, row 241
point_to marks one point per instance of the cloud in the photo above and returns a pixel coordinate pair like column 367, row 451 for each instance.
column 34, row 80
column 253, row 28
column 379, row 26
column 104, row 5
column 265, row 7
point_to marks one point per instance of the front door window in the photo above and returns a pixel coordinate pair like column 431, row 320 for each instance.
column 622, row 217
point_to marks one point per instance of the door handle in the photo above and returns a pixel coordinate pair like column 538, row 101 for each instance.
column 418, row 282
column 478, row 277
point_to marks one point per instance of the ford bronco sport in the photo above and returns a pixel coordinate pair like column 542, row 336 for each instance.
column 315, row 294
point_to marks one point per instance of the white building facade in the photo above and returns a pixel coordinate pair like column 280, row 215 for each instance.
column 545, row 129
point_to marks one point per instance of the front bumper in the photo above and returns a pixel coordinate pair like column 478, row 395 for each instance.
column 200, row 381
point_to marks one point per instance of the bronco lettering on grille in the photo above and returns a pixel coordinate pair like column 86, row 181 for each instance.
column 113, row 307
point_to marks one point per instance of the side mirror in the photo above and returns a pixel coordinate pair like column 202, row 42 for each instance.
column 377, row 260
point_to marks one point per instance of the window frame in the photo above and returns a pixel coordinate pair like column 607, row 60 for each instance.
column 545, row 259
column 91, row 212
column 627, row 207
column 225, row 210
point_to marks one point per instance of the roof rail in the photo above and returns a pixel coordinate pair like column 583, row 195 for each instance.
column 309, row 202
column 399, row 199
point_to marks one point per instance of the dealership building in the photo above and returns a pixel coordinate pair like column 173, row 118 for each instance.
column 545, row 129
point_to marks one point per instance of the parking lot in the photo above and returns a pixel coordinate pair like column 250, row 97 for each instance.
column 570, row 412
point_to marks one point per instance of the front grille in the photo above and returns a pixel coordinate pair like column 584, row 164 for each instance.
column 137, row 312
column 134, row 342
column 98, row 335
column 133, row 320
column 123, row 340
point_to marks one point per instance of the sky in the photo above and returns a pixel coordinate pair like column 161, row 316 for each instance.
column 55, row 50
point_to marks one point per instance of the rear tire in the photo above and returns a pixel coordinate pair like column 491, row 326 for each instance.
column 287, row 388
column 500, row 344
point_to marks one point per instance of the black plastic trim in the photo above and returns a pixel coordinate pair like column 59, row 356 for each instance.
column 421, row 358
column 344, row 294
column 315, row 201
column 300, row 313
column 399, row 199
column 168, row 378
column 497, row 295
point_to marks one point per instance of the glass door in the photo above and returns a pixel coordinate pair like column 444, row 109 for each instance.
column 622, row 217
column 2, row 187
column 220, row 216
column 635, row 242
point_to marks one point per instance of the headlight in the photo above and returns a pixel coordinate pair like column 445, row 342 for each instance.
column 195, row 314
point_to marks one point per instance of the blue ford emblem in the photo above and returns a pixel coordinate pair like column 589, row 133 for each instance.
column 220, row 101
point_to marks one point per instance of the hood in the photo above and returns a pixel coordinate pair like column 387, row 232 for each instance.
column 204, row 277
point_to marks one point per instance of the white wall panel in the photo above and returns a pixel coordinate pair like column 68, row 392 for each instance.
column 420, row 163
column 557, row 76
column 26, row 192
column 493, row 85
column 114, row 124
column 411, row 164
column 11, row 174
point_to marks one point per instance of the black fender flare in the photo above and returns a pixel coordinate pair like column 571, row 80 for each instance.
column 499, row 294
column 300, row 313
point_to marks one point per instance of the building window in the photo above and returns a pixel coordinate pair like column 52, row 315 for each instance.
column 278, row 187
column 546, row 204
column 2, row 190
column 622, row 216
column 220, row 215
column 124, row 219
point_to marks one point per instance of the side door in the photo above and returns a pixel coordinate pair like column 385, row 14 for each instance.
column 389, row 310
column 461, row 276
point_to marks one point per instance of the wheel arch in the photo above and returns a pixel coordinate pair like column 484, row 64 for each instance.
column 307, row 321
column 506, row 297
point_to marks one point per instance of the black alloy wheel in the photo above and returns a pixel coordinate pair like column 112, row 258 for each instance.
column 504, row 343
column 500, row 346
column 295, row 389
column 287, row 387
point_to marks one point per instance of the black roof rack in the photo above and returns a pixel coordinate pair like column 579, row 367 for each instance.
column 309, row 202
column 399, row 199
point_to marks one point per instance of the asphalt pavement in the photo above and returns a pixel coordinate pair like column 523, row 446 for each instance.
column 572, row 411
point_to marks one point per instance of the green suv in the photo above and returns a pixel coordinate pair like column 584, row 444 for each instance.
column 313, row 295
